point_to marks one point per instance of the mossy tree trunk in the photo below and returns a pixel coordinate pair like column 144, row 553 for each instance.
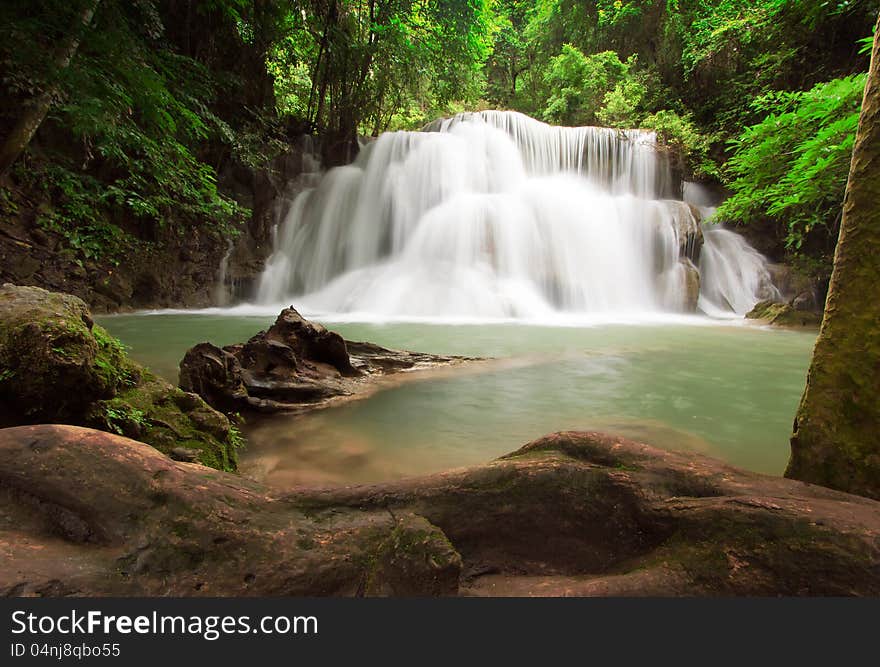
column 836, row 440
column 33, row 115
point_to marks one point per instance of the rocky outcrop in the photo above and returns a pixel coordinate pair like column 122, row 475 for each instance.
column 57, row 366
column 294, row 365
column 803, row 292
column 569, row 514
column 691, row 291
column 793, row 314
column 689, row 229
column 174, row 264
column 165, row 270
column 268, row 192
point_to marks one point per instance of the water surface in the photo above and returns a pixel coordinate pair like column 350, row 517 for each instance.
column 722, row 389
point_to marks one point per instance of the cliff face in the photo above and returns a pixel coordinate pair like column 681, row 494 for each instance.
column 268, row 194
column 173, row 265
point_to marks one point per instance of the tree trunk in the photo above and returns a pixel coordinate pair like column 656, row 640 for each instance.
column 836, row 440
column 33, row 115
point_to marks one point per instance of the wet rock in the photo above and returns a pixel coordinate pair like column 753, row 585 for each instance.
column 215, row 376
column 805, row 301
column 296, row 364
column 784, row 315
column 691, row 286
column 184, row 454
column 689, row 229
column 23, row 267
column 310, row 341
column 116, row 287
column 792, row 283
column 40, row 237
column 57, row 366
column 49, row 356
column 571, row 513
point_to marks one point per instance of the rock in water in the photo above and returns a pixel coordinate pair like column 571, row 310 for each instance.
column 784, row 315
column 56, row 365
column 568, row 514
column 691, row 292
column 294, row 365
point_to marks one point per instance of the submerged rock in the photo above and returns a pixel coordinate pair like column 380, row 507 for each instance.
column 568, row 514
column 785, row 314
column 296, row 364
column 56, row 365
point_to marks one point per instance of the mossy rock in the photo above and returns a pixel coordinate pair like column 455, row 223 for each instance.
column 57, row 366
column 784, row 315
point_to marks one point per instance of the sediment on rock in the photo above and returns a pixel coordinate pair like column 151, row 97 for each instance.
column 57, row 366
column 295, row 365
column 571, row 513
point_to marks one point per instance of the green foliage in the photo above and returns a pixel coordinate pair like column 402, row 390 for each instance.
column 126, row 137
column 685, row 139
column 112, row 363
column 580, row 84
column 621, row 105
column 122, row 418
column 618, row 13
column 792, row 166
column 77, row 212
column 236, row 438
column 356, row 66
column 753, row 47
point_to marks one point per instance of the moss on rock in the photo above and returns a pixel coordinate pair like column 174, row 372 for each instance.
column 784, row 315
column 57, row 366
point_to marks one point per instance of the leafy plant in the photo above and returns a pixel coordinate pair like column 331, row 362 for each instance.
column 792, row 166
column 122, row 418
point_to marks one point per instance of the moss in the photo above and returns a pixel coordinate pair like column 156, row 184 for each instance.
column 166, row 425
column 111, row 362
column 783, row 315
column 59, row 367
column 732, row 551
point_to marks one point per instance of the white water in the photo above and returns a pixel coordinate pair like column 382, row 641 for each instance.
column 494, row 215
column 733, row 275
column 221, row 294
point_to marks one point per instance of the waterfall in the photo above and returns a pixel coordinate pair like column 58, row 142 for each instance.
column 221, row 293
column 733, row 275
column 496, row 215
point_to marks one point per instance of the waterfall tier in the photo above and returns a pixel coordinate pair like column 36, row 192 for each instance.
column 496, row 215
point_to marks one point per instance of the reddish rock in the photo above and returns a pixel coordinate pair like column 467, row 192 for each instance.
column 88, row 513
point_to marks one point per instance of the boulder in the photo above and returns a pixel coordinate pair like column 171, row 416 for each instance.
column 57, row 366
column 568, row 514
column 689, row 228
column 691, row 285
column 295, row 365
column 310, row 341
column 784, row 315
column 214, row 375
column 53, row 366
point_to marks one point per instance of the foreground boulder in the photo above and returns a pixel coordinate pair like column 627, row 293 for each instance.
column 84, row 512
column 295, row 365
column 56, row 365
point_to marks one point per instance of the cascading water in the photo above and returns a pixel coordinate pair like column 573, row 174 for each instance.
column 496, row 215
